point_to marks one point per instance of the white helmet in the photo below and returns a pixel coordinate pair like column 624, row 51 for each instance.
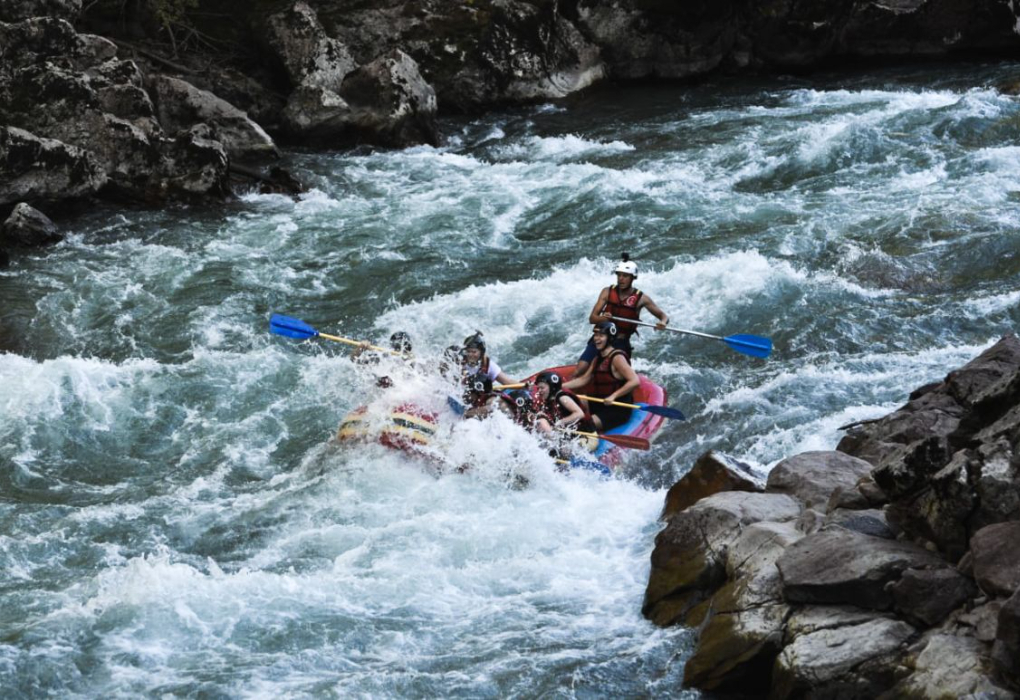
column 627, row 266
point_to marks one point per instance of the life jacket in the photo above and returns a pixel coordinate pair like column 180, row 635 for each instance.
column 560, row 411
column 603, row 381
column 624, row 308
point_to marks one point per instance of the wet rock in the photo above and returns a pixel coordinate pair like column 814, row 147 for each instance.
column 857, row 660
column 713, row 472
column 981, row 622
column 16, row 10
column 812, row 477
column 665, row 40
column 41, row 169
column 689, row 559
column 28, row 227
column 866, row 522
column 385, row 102
column 309, row 57
column 180, row 105
column 195, row 163
column 997, row 558
column 927, row 596
column 951, row 667
column 842, row 567
column 475, row 54
column 1007, row 640
column 738, row 643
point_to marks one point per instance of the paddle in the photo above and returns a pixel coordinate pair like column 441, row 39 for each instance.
column 753, row 345
column 296, row 328
column 635, row 443
column 664, row 411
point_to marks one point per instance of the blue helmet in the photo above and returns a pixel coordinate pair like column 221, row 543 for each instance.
column 607, row 327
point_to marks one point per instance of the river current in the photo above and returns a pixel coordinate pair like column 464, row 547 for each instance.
column 174, row 518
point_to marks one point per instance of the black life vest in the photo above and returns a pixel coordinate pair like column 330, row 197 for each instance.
column 624, row 308
column 603, row 381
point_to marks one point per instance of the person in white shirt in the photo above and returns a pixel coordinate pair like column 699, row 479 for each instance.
column 477, row 361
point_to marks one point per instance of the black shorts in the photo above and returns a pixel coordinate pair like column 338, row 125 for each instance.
column 611, row 416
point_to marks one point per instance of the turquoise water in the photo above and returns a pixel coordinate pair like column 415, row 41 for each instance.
column 175, row 519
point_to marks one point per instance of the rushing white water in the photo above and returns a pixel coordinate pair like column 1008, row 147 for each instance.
column 175, row 518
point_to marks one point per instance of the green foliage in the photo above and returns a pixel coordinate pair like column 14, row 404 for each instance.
column 170, row 12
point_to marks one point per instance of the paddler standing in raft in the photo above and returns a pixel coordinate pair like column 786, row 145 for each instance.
column 622, row 300
column 612, row 377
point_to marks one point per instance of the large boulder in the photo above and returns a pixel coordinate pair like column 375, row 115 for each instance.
column 847, row 661
column 812, row 477
column 40, row 169
column 180, row 105
column 385, row 102
column 947, row 666
column 927, row 596
column 713, row 472
column 689, row 559
column 309, row 57
column 28, row 227
column 946, row 460
column 744, row 629
column 997, row 558
column 1007, row 640
column 476, row 54
column 842, row 567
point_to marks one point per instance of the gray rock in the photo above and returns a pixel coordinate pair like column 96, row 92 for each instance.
column 689, row 559
column 927, row 596
column 846, row 661
column 812, row 477
column 950, row 667
column 28, row 227
column 16, row 10
column 997, row 558
column 195, row 163
column 180, row 105
column 867, row 522
column 308, row 55
column 391, row 104
column 713, row 472
column 744, row 629
column 981, row 622
column 838, row 566
column 1007, row 639
column 39, row 169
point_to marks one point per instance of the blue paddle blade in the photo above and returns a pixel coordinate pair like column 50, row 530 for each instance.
column 455, row 405
column 664, row 411
column 291, row 327
column 590, row 465
column 753, row 345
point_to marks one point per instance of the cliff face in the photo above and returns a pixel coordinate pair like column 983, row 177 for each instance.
column 885, row 568
column 133, row 102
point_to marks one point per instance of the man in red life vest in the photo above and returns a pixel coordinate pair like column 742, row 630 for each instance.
column 622, row 300
column 612, row 378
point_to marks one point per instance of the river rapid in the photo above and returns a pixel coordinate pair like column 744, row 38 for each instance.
column 174, row 518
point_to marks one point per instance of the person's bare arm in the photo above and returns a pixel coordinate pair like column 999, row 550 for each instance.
column 654, row 310
column 576, row 412
column 597, row 315
column 623, row 370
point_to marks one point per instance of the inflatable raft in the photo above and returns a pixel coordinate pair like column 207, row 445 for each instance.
column 411, row 428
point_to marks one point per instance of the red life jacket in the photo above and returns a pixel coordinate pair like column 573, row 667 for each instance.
column 603, row 381
column 553, row 410
column 624, row 308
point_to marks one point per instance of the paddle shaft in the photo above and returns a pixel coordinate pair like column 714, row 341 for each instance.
column 630, row 441
column 349, row 341
column 613, row 403
column 675, row 330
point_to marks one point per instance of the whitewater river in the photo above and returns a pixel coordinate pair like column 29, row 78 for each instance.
column 174, row 518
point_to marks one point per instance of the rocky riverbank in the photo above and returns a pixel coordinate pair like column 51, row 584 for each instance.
column 154, row 100
column 885, row 568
